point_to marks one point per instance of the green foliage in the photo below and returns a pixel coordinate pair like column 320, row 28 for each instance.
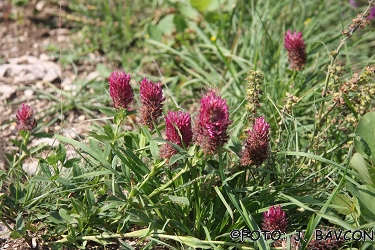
column 365, row 136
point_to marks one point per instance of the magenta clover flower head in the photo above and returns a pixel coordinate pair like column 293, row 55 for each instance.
column 372, row 13
column 213, row 122
column 256, row 149
column 151, row 96
column 25, row 118
column 178, row 131
column 120, row 90
column 275, row 219
column 295, row 46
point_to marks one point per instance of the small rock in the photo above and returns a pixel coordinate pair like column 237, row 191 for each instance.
column 6, row 91
column 40, row 5
column 4, row 233
column 92, row 75
column 30, row 69
column 30, row 168
column 33, row 243
column 92, row 56
column 13, row 126
column 28, row 93
column 81, row 118
column 44, row 57
column 39, row 84
column 29, row 77
column 49, row 141
column 70, row 133
column 68, row 85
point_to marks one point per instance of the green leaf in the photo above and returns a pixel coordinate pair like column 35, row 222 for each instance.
column 40, row 178
column 42, row 135
column 179, row 22
column 63, row 181
column 20, row 224
column 365, row 195
column 103, row 70
column 64, row 214
column 69, row 163
column 154, row 149
column 229, row 209
column 108, row 111
column 154, row 32
column 166, row 24
column 344, row 202
column 61, row 153
column 95, row 152
column 45, row 168
column 179, row 199
column 365, row 140
column 120, row 116
column 55, row 217
column 93, row 174
column 213, row 16
column 364, row 170
column 187, row 11
column 200, row 5
column 15, row 235
column 176, row 158
column 90, row 198
column 108, row 130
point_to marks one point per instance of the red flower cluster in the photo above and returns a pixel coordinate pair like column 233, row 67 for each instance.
column 213, row 122
column 295, row 46
column 178, row 131
column 120, row 89
column 257, row 144
column 25, row 118
column 151, row 96
column 210, row 131
column 275, row 219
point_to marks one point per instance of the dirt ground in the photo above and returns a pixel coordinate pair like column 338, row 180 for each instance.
column 26, row 64
column 28, row 67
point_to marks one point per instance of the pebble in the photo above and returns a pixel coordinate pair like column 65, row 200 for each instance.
column 30, row 168
column 81, row 118
column 44, row 57
column 28, row 93
column 6, row 91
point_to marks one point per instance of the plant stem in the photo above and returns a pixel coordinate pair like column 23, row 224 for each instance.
column 161, row 188
column 330, row 70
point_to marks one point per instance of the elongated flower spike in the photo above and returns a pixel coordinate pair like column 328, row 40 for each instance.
column 275, row 219
column 151, row 97
column 120, row 90
column 25, row 118
column 372, row 14
column 178, row 131
column 256, row 149
column 295, row 45
column 213, row 121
